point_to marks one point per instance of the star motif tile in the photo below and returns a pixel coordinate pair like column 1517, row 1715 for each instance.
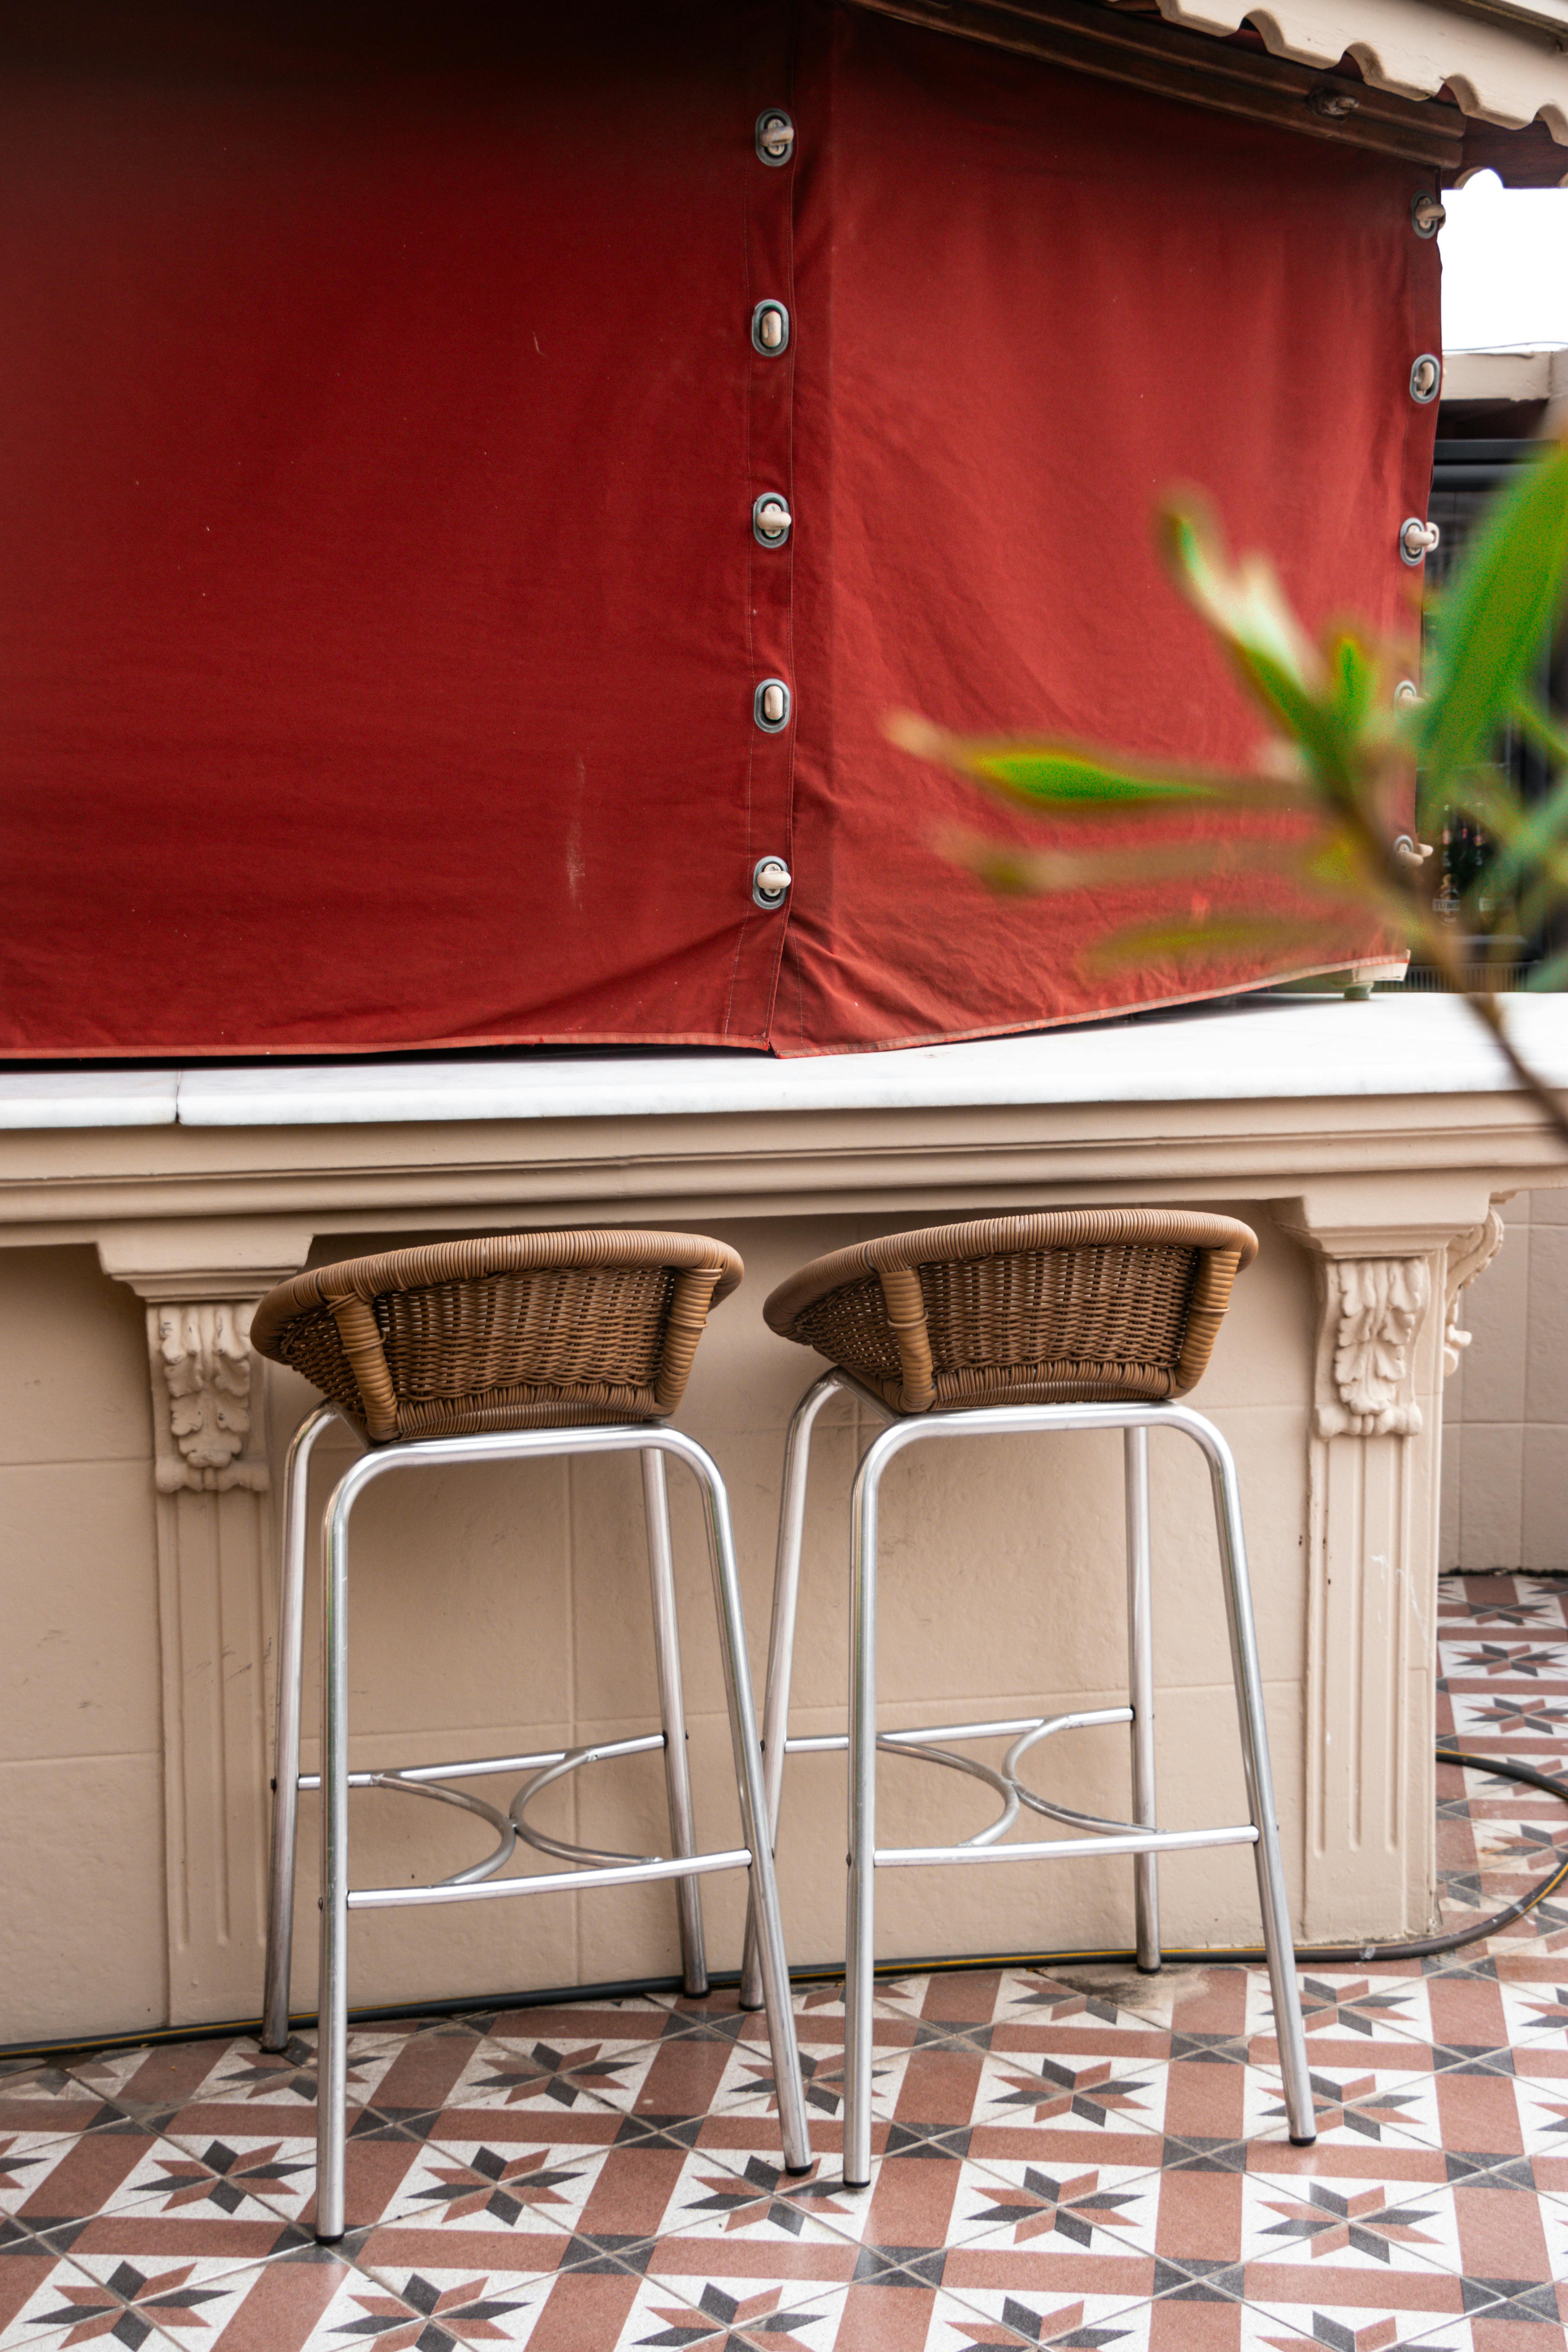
column 1075, row 2157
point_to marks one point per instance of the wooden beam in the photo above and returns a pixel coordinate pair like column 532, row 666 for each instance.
column 1227, row 78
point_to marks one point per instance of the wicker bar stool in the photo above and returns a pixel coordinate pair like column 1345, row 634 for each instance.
column 491, row 1351
column 1075, row 1319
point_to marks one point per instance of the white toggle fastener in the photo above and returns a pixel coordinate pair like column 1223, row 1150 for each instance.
column 771, row 518
column 770, row 706
column 1418, row 538
column 771, row 880
column 1426, row 378
column 776, row 136
column 770, row 329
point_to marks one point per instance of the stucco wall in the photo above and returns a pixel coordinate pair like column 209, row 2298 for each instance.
column 505, row 1608
column 83, row 1936
column 1505, row 1440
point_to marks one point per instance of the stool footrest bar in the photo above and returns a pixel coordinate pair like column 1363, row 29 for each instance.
column 903, row 1857
column 1022, row 1730
column 550, row 1882
column 476, row 1768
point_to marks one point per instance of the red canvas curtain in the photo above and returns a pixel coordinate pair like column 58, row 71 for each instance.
column 379, row 613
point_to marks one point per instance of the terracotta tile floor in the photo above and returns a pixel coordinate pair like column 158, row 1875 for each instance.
column 1086, row 2159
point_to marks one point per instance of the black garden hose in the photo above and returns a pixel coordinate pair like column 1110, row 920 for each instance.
column 1416, row 1948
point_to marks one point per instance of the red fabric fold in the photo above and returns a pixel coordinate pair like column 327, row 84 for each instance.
column 380, row 614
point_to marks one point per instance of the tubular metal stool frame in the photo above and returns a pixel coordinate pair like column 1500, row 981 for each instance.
column 1140, row 1838
column 653, row 1442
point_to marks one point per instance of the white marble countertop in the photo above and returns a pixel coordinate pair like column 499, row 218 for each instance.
column 1254, row 1048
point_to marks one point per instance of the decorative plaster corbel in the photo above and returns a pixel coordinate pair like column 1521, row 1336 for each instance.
column 202, row 1365
column 199, row 1279
column 1373, row 1311
column 1470, row 1254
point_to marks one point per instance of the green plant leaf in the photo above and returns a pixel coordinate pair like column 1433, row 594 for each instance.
column 1493, row 620
column 1222, row 935
column 1530, row 840
column 1016, row 871
column 1276, row 661
column 1551, row 974
column 1062, row 780
column 1542, row 728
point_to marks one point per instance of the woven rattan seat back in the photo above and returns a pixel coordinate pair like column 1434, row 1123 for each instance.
column 521, row 1331
column 1070, row 1306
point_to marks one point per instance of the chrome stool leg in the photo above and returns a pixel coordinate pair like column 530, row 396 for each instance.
column 1140, row 1692
column 781, row 1637
column 673, row 1716
column 286, row 1747
column 333, row 1997
column 1248, row 1679
column 755, row 1814
column 860, row 1936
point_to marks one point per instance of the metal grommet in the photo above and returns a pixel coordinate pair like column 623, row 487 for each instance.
column 771, row 518
column 1426, row 213
column 771, row 883
column 1426, row 378
column 1407, row 694
column 776, row 136
column 770, row 706
column 770, row 329
column 1418, row 538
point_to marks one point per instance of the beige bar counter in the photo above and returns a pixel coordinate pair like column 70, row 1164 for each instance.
column 504, row 1609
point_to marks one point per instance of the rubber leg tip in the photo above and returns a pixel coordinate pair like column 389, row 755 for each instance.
column 1308, row 2139
column 1150, row 1969
column 800, row 2171
column 751, row 2008
column 855, row 2184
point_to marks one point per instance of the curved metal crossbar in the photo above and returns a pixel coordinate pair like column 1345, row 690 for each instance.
column 475, row 1871
column 587, row 1857
column 1033, row 1798
column 429, row 1779
column 1005, row 1782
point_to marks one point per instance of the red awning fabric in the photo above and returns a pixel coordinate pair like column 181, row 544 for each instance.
column 379, row 613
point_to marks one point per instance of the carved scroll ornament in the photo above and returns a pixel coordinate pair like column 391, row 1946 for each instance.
column 1373, row 1309
column 202, row 1371
column 1470, row 1254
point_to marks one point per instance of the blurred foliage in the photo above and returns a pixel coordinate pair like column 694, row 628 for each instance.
column 1336, row 773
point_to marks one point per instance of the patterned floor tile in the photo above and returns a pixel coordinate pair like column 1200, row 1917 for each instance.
column 1081, row 2156
column 1536, row 2016
column 318, row 2300
column 1354, row 2107
column 531, row 2185
column 1344, row 2220
column 894, row 2313
column 900, row 2314
column 1093, row 2209
column 1106, row 2087
column 126, row 2302
column 1361, row 2326
column 1505, row 2327
column 1347, row 2011
column 26, row 2161
column 50, row 2098
column 541, row 2075
column 126, row 2175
